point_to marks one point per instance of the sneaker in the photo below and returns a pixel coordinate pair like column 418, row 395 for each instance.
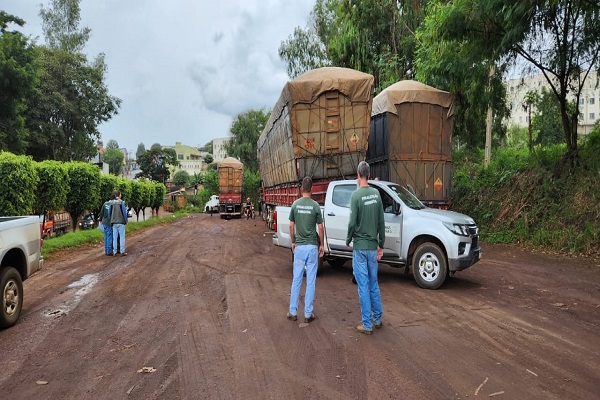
column 123, row 254
column 378, row 325
column 109, row 254
column 362, row 329
column 310, row 319
column 291, row 317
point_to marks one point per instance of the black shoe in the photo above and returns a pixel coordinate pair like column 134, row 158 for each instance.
column 292, row 317
column 110, row 254
column 354, row 280
column 123, row 254
column 378, row 325
column 310, row 319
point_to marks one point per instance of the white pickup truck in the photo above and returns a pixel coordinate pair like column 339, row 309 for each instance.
column 20, row 256
column 429, row 241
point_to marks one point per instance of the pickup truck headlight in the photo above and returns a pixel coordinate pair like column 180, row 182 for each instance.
column 457, row 229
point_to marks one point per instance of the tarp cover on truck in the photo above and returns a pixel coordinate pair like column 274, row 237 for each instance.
column 230, row 171
column 411, row 139
column 319, row 127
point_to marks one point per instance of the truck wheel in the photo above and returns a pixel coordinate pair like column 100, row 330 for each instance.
column 429, row 266
column 11, row 290
column 337, row 262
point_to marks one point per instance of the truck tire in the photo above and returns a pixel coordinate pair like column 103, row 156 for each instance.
column 11, row 292
column 429, row 266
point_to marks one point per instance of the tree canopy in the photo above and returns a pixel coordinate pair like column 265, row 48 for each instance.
column 245, row 130
column 154, row 163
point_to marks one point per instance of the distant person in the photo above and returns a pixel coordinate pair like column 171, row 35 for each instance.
column 195, row 189
column 107, row 229
column 366, row 228
column 307, row 247
column 118, row 220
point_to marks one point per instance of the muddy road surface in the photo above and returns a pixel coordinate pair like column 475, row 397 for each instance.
column 197, row 310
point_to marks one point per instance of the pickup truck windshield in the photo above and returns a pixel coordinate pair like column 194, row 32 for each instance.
column 407, row 197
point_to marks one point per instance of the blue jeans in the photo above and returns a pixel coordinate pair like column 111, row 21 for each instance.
column 108, row 238
column 118, row 232
column 305, row 255
column 364, row 265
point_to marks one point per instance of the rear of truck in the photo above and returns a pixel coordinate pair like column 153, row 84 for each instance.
column 231, row 176
column 319, row 127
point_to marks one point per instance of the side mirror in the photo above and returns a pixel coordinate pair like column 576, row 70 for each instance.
column 396, row 208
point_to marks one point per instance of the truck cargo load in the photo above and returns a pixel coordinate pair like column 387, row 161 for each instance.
column 231, row 176
column 319, row 127
column 410, row 142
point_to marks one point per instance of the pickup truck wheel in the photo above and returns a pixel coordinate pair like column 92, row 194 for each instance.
column 337, row 262
column 429, row 266
column 11, row 288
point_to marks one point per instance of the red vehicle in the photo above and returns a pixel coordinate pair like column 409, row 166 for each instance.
column 319, row 127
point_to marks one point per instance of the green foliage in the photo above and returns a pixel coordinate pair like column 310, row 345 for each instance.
column 19, row 182
column 519, row 199
column 51, row 192
column 84, row 189
column 245, row 130
column 112, row 144
column 18, row 77
column 160, row 192
column 208, row 159
column 546, row 121
column 154, row 163
column 303, row 51
column 114, row 158
column 140, row 150
column 251, row 185
column 211, row 182
column 181, row 178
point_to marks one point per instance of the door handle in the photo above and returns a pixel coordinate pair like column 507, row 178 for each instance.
column 331, row 214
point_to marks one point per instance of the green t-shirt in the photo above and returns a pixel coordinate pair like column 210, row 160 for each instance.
column 366, row 226
column 306, row 214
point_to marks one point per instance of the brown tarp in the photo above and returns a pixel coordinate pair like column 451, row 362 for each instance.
column 231, row 162
column 411, row 92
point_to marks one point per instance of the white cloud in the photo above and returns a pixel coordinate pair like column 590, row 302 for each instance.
column 184, row 69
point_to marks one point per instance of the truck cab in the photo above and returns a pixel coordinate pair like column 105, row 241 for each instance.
column 431, row 242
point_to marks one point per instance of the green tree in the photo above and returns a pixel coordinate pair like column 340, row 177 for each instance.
column 158, row 200
column 245, row 130
column 114, row 158
column 251, row 185
column 112, row 144
column 140, row 150
column 18, row 77
column 19, row 180
column 84, row 189
column 211, row 182
column 108, row 183
column 208, row 159
column 303, row 51
column 208, row 147
column 51, row 192
column 559, row 38
column 181, row 178
column 72, row 99
column 546, row 119
column 154, row 163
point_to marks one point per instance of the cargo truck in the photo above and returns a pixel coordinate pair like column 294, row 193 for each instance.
column 410, row 141
column 231, row 175
column 319, row 127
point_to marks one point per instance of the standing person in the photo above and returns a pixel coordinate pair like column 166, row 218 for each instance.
column 366, row 228
column 307, row 247
column 105, row 218
column 118, row 219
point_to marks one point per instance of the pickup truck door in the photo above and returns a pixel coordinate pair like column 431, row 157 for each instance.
column 337, row 213
column 393, row 227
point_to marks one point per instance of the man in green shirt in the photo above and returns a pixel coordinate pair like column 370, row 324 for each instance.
column 366, row 228
column 307, row 247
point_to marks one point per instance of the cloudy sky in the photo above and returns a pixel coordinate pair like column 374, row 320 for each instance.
column 183, row 68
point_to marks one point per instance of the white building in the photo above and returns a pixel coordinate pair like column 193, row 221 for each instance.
column 589, row 102
column 219, row 152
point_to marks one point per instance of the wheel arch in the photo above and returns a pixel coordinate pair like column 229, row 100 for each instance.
column 419, row 240
column 15, row 258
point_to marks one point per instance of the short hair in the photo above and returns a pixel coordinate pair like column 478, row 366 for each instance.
column 307, row 184
column 364, row 171
column 117, row 193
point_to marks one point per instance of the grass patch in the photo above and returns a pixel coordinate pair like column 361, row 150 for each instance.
column 75, row 239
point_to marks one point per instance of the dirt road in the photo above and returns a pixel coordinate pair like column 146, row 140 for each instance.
column 197, row 311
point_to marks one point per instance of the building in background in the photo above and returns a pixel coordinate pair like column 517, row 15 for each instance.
column 589, row 102
column 219, row 153
column 190, row 158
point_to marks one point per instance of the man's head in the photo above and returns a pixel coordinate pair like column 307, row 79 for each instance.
column 307, row 184
column 248, row 200
column 117, row 194
column 363, row 170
